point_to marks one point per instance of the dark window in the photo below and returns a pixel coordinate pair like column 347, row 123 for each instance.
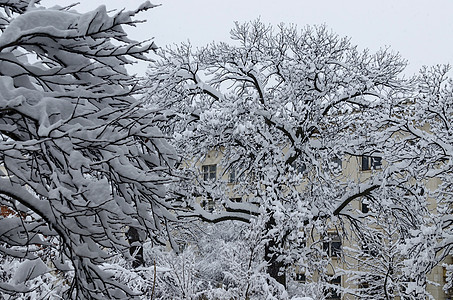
column 208, row 204
column 235, row 175
column 364, row 207
column 376, row 162
column 209, row 172
column 232, row 176
column 371, row 286
column 332, row 246
column 364, row 285
column 236, row 199
column 365, row 163
column 300, row 277
column 449, row 292
column 333, row 293
column 182, row 245
column 337, row 163
column 371, row 162
column 371, row 245
column 299, row 167
column 303, row 244
column 369, row 249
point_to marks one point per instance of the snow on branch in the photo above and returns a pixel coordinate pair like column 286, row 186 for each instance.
column 82, row 160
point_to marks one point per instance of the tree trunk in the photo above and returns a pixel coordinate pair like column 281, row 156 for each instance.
column 275, row 268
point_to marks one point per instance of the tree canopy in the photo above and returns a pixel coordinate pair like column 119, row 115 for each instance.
column 248, row 158
column 81, row 159
column 282, row 108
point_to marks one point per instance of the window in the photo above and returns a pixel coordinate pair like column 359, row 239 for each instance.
column 368, row 248
column 303, row 244
column 300, row 277
column 364, row 207
column 208, row 204
column 363, row 286
column 235, row 175
column 337, row 163
column 333, row 293
column 236, row 199
column 446, row 277
column 182, row 245
column 332, row 246
column 299, row 274
column 371, row 162
column 209, row 172
column 299, row 167
column 371, row 245
column 371, row 286
column 232, row 176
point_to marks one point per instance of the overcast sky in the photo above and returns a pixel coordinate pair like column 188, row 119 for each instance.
column 420, row 30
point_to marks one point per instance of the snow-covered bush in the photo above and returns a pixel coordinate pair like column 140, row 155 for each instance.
column 222, row 262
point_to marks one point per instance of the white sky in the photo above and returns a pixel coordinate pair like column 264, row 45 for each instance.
column 420, row 30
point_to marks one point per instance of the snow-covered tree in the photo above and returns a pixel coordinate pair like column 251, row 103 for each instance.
column 281, row 108
column 429, row 131
column 219, row 261
column 81, row 160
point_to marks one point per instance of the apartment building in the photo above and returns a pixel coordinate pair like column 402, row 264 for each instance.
column 346, row 264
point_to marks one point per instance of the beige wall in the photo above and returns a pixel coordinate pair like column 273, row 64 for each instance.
column 351, row 170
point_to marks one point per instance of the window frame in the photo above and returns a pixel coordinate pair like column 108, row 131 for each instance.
column 331, row 293
column 364, row 207
column 337, row 163
column 209, row 172
column 333, row 238
column 366, row 288
column 299, row 167
column 232, row 176
column 369, row 162
column 300, row 277
column 208, row 204
column 449, row 292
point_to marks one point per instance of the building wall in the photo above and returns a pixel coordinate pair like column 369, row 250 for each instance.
column 351, row 169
